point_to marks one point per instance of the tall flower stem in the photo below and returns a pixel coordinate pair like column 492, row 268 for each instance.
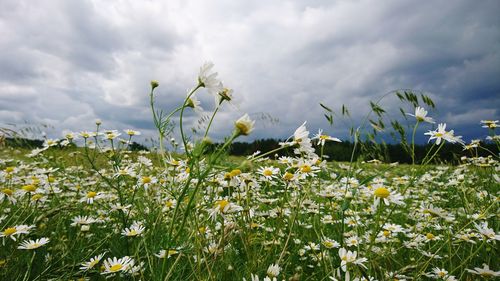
column 181, row 128
column 413, row 143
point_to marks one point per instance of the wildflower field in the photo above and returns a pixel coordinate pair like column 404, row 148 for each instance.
column 99, row 211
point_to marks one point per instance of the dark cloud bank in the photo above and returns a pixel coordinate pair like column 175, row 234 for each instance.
column 67, row 63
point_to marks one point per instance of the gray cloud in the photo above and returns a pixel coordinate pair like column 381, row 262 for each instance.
column 69, row 62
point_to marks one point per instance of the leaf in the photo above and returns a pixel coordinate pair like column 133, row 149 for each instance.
column 325, row 107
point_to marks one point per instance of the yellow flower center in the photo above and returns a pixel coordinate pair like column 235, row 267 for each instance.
column 172, row 252
column 439, row 135
column 328, row 244
column 91, row 194
column 7, row 191
column 9, row 169
column 381, row 192
column 305, row 168
column 267, row 173
column 51, row 179
column 430, row 236
column 387, row 233
column 146, row 180
column 235, row 172
column 222, row 204
column 9, row 231
column 133, row 232
column 115, row 267
column 243, row 128
column 169, row 203
column 288, row 176
column 36, row 197
column 29, row 187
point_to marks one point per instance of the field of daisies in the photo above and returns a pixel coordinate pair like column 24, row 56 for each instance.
column 97, row 211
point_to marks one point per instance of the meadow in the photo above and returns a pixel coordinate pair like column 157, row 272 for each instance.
column 100, row 211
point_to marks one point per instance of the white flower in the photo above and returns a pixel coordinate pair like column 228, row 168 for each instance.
column 164, row 254
column 33, row 244
column 273, row 270
column 92, row 263
column 348, row 257
column 487, row 232
column 244, row 125
column 114, row 265
column 209, row 80
column 329, row 243
column 442, row 134
column 421, row 115
column 268, row 172
column 194, row 103
column 323, row 138
column 224, row 207
column 136, row 229
column 485, row 271
column 16, row 230
column 82, row 220
column 382, row 193
column 490, row 124
column 132, row 132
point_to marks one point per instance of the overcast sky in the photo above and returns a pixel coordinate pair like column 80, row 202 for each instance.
column 66, row 63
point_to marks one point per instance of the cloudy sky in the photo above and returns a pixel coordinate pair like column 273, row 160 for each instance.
column 66, row 63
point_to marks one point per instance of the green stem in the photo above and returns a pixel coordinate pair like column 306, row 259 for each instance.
column 184, row 140
column 413, row 143
column 433, row 155
column 211, row 120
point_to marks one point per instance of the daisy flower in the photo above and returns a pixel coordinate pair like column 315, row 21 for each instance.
column 421, row 115
column 484, row 272
column 348, row 257
column 91, row 196
column 146, row 181
column 323, row 138
column 487, row 232
column 382, row 193
column 111, row 134
column 208, row 79
column 490, row 124
column 166, row 254
column 136, row 229
column 224, row 207
column 273, row 270
column 7, row 193
column 17, row 230
column 268, row 172
column 244, row 125
column 115, row 265
column 441, row 134
column 88, row 265
column 82, row 220
column 33, row 244
column 132, row 132
column 329, row 243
